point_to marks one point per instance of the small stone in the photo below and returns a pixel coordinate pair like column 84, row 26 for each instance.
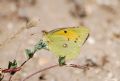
column 91, row 40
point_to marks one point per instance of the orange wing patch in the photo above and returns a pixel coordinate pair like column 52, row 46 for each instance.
column 71, row 35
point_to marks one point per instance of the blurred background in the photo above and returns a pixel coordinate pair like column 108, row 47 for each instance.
column 21, row 23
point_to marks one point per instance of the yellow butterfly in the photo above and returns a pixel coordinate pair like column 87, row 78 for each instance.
column 66, row 42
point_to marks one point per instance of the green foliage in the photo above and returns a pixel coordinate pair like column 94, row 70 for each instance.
column 29, row 53
column 12, row 65
column 62, row 60
column 40, row 45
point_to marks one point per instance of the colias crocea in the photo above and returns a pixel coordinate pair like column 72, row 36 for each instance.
column 66, row 41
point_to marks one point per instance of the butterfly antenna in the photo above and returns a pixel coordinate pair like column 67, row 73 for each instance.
column 44, row 32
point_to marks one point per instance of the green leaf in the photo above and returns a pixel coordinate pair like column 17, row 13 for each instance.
column 12, row 65
column 9, row 65
column 62, row 60
column 40, row 45
column 29, row 53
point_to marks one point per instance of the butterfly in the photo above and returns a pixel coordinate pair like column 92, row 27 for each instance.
column 66, row 42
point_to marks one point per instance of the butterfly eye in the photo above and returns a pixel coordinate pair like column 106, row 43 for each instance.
column 65, row 45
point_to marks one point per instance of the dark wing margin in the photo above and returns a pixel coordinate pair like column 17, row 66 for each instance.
column 86, row 39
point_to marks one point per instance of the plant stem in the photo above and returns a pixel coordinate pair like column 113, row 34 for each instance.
column 40, row 71
column 24, row 62
column 47, row 68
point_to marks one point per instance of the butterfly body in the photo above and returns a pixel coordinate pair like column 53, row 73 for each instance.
column 66, row 41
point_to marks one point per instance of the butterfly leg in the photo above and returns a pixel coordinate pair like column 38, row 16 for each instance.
column 62, row 61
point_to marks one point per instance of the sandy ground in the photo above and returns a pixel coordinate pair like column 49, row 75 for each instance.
column 100, row 16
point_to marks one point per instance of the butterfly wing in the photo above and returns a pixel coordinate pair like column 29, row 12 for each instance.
column 66, row 41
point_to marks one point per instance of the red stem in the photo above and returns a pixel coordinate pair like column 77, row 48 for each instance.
column 11, row 70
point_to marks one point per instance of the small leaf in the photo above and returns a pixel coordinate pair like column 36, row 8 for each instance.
column 9, row 65
column 29, row 53
column 40, row 45
column 62, row 60
column 12, row 65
